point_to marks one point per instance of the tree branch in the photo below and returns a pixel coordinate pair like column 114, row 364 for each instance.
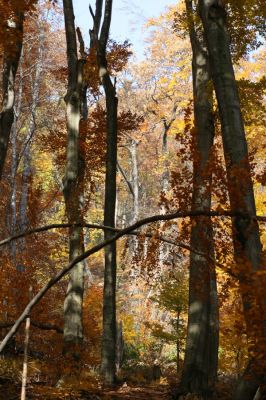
column 81, row 44
column 155, row 218
column 40, row 325
column 126, row 180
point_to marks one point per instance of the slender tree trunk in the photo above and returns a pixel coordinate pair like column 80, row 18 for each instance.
column 12, row 52
column 247, row 245
column 109, row 302
column 25, row 360
column 135, row 179
column 73, row 190
column 108, row 366
column 132, row 244
column 200, row 365
column 178, row 342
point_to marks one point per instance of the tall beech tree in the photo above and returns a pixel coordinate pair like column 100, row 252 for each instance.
column 201, row 355
column 100, row 34
column 246, row 237
column 74, row 184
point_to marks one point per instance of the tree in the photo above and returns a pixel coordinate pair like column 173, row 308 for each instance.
column 247, row 245
column 201, row 356
column 100, row 36
column 73, row 184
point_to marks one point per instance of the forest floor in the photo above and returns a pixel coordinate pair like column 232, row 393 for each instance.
column 44, row 384
column 155, row 391
column 10, row 391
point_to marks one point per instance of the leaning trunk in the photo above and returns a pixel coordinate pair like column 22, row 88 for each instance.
column 247, row 245
column 200, row 365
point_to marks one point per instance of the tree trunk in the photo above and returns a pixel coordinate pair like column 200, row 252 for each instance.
column 25, row 359
column 200, row 365
column 108, row 366
column 109, row 302
column 135, row 179
column 246, row 238
column 12, row 52
column 73, row 190
column 178, row 342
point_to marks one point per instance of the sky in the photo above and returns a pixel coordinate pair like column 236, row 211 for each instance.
column 127, row 20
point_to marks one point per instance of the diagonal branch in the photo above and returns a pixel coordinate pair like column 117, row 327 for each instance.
column 155, row 218
column 126, row 180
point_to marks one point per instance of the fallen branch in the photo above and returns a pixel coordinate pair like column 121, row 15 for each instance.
column 95, row 249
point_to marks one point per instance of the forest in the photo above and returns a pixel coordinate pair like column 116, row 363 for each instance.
column 133, row 203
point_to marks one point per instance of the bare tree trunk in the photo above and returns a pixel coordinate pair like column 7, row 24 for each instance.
column 247, row 245
column 135, row 179
column 12, row 52
column 132, row 244
column 74, row 188
column 108, row 366
column 109, row 302
column 201, row 356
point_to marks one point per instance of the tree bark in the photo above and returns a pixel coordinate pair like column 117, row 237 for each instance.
column 73, row 183
column 108, row 365
column 201, row 355
column 246, row 238
column 12, row 52
column 135, row 178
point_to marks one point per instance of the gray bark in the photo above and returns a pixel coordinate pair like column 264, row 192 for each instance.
column 12, row 52
column 108, row 365
column 73, row 183
column 247, row 245
column 134, row 179
column 201, row 356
